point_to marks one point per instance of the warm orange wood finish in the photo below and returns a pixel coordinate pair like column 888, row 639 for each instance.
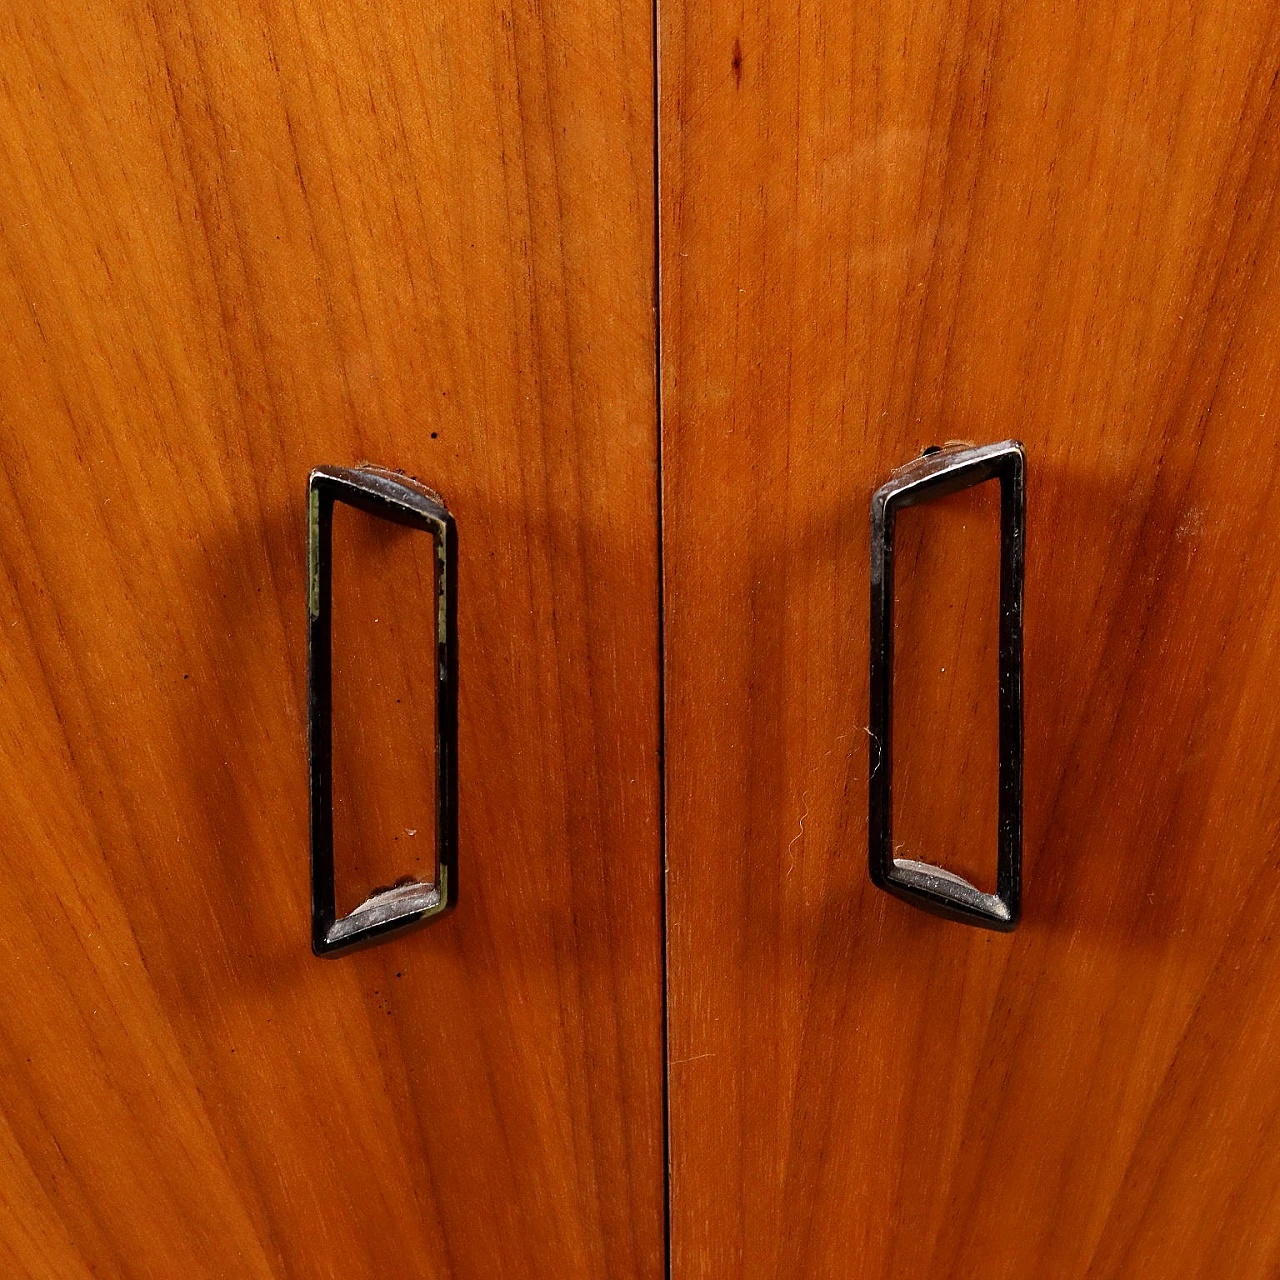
column 889, row 226
column 240, row 239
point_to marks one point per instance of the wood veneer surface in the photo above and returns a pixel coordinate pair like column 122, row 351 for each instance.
column 883, row 227
column 238, row 240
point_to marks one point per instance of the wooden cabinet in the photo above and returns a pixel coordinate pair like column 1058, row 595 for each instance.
column 656, row 300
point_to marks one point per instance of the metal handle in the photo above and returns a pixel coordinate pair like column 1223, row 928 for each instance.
column 934, row 475
column 409, row 902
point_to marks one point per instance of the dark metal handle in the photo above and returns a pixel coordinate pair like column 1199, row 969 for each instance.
column 408, row 902
column 936, row 474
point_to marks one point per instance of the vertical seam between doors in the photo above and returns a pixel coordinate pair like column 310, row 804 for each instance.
column 662, row 650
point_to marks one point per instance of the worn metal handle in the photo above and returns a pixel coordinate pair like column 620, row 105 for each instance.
column 409, row 902
column 937, row 473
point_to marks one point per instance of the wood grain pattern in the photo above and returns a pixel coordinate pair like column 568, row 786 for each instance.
column 884, row 227
column 238, row 240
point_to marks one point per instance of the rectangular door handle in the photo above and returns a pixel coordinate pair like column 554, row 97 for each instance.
column 408, row 902
column 937, row 473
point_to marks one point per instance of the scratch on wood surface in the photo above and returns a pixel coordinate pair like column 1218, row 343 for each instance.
column 805, row 800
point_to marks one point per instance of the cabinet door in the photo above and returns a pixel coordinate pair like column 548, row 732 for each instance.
column 886, row 227
column 240, row 240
